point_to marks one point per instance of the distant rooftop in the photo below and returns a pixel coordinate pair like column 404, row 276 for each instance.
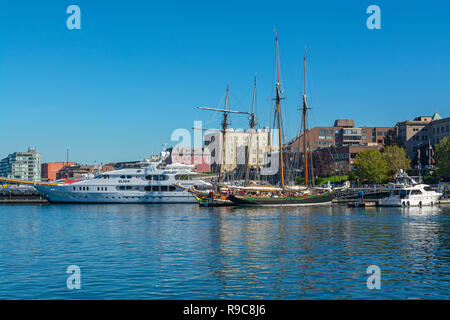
column 436, row 116
column 344, row 123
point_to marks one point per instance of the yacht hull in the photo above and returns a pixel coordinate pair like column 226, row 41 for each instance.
column 64, row 194
column 409, row 202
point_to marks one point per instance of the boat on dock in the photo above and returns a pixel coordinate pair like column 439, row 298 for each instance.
column 406, row 192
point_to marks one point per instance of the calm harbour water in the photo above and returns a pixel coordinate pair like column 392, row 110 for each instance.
column 186, row 252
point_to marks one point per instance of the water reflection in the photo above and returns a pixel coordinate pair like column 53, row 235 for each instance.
column 186, row 252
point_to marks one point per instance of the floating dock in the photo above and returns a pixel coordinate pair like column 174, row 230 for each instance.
column 362, row 204
column 23, row 201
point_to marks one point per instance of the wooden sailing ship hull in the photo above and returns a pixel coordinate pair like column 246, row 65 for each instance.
column 319, row 199
column 216, row 203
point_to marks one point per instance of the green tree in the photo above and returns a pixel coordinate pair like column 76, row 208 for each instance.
column 442, row 157
column 396, row 159
column 371, row 167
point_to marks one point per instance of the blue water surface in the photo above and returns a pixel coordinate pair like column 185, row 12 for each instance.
column 186, row 252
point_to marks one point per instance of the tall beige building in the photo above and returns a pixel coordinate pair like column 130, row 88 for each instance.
column 257, row 142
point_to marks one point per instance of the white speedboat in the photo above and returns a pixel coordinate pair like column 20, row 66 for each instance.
column 156, row 183
column 406, row 192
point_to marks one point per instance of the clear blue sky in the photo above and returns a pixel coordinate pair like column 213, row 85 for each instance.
column 115, row 90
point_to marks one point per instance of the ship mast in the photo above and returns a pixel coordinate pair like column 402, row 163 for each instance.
column 224, row 129
column 278, row 99
column 252, row 126
column 305, row 108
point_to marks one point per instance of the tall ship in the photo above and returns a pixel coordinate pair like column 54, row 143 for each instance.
column 285, row 194
column 156, row 183
column 219, row 195
column 406, row 192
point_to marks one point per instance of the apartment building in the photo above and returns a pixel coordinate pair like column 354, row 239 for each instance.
column 337, row 160
column 422, row 132
column 22, row 165
column 342, row 133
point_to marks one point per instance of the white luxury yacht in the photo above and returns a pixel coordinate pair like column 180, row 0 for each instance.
column 406, row 192
column 153, row 184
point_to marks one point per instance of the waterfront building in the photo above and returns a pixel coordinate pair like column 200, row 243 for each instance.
column 337, row 160
column 50, row 170
column 256, row 143
column 342, row 133
column 420, row 135
column 22, row 165
column 194, row 156
column 79, row 171
column 334, row 149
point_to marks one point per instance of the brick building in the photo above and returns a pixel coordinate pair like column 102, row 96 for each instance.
column 337, row 160
column 79, row 171
column 49, row 170
column 334, row 149
column 342, row 133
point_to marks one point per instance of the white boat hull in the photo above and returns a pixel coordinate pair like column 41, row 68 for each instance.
column 409, row 202
column 65, row 194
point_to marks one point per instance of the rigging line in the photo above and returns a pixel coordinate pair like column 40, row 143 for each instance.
column 311, row 152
